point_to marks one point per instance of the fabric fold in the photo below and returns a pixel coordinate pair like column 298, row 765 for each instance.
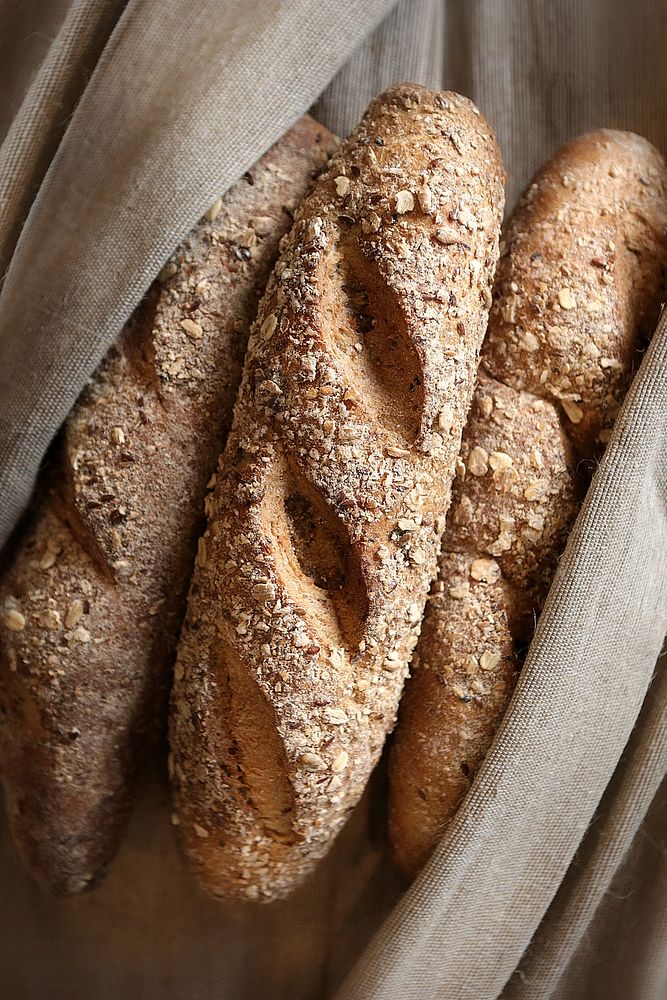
column 36, row 130
column 562, row 952
column 499, row 866
column 551, row 880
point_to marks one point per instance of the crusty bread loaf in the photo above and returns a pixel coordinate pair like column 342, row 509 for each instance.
column 579, row 287
column 325, row 521
column 93, row 600
column 508, row 521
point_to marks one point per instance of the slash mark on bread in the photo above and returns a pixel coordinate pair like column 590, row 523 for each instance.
column 367, row 331
column 315, row 559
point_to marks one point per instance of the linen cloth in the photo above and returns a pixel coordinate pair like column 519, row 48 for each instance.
column 121, row 124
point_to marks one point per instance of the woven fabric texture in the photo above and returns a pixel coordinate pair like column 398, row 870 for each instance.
column 120, row 123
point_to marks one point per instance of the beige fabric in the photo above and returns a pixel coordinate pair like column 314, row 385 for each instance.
column 552, row 880
column 35, row 131
column 611, row 912
column 581, row 689
column 32, row 27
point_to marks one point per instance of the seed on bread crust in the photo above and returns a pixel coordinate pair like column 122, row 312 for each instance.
column 578, row 289
column 102, row 569
column 333, row 489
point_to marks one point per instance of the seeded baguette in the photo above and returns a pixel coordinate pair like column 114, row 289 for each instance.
column 93, row 601
column 325, row 520
column 578, row 289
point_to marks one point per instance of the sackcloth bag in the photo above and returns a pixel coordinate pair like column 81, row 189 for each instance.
column 120, row 124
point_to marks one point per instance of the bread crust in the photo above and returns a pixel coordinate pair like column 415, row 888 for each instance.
column 325, row 520
column 578, row 290
column 93, row 599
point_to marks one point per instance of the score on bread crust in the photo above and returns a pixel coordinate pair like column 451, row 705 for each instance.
column 92, row 602
column 578, row 290
column 326, row 516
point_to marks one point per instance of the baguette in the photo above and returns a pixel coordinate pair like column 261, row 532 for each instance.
column 93, row 600
column 579, row 287
column 325, row 520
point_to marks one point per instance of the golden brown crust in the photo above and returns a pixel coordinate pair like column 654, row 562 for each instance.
column 515, row 496
column 93, row 600
column 463, row 673
column 579, row 286
column 586, row 251
column 516, row 490
column 325, row 520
